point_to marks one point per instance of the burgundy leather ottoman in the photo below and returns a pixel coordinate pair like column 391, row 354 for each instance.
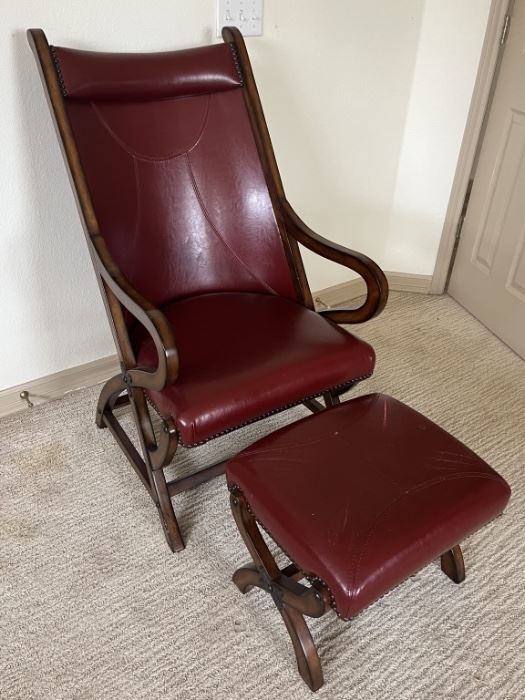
column 359, row 497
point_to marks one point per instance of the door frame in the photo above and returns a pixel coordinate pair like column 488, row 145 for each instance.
column 481, row 99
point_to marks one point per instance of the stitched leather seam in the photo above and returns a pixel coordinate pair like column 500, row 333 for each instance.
column 58, row 69
column 349, row 383
column 389, row 590
column 292, row 445
column 140, row 156
column 218, row 233
column 415, row 489
column 203, row 128
column 138, row 214
column 289, row 445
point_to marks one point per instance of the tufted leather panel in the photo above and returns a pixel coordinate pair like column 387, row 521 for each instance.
column 93, row 75
column 177, row 185
column 365, row 494
column 230, row 376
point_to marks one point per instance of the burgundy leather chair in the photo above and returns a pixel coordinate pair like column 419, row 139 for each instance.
column 196, row 251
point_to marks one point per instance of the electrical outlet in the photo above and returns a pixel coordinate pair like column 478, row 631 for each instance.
column 247, row 15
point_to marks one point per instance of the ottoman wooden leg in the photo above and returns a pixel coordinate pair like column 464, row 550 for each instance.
column 452, row 564
column 247, row 577
column 292, row 599
column 308, row 661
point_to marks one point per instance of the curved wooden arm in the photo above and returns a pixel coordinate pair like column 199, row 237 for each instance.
column 153, row 320
column 374, row 277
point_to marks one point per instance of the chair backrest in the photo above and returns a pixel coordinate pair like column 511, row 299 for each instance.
column 173, row 170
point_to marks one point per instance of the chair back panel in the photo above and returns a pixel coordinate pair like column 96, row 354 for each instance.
column 174, row 172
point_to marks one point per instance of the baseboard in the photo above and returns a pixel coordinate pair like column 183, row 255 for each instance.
column 57, row 385
column 397, row 282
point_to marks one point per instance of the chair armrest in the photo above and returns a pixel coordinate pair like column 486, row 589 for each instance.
column 374, row 277
column 153, row 320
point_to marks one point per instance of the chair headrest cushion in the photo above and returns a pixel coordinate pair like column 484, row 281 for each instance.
column 93, row 75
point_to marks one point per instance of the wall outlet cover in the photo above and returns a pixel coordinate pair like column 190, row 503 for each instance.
column 247, row 15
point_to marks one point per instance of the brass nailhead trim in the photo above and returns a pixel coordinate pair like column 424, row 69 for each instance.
column 58, row 70
column 237, row 63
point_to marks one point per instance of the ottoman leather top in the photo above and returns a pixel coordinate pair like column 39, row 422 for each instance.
column 364, row 494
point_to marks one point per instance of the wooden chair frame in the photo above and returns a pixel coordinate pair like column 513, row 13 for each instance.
column 120, row 296
column 293, row 599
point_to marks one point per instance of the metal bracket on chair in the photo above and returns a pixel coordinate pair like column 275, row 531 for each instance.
column 272, row 587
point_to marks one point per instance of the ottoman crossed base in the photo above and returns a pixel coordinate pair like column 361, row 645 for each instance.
column 359, row 497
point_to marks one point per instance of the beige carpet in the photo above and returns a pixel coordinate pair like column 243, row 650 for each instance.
column 94, row 606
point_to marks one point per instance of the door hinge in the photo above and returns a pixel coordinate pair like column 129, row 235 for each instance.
column 505, row 30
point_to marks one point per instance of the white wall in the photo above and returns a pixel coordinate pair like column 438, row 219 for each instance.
column 353, row 101
column 335, row 94
column 450, row 42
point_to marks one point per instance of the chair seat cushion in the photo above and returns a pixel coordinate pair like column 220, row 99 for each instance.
column 365, row 494
column 243, row 356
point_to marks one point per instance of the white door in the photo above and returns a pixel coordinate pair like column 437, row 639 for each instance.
column 488, row 277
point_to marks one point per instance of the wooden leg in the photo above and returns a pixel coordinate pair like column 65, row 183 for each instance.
column 166, row 512
column 247, row 577
column 314, row 405
column 452, row 564
column 291, row 598
column 293, row 572
column 108, row 397
column 156, row 454
column 308, row 662
column 331, row 400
